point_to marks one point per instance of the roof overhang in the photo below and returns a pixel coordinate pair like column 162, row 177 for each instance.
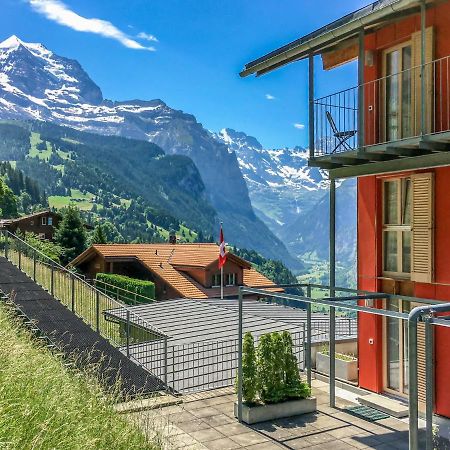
column 331, row 35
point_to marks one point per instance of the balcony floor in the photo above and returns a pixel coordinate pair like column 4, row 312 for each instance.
column 407, row 154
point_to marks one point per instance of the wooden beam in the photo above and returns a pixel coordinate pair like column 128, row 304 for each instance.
column 328, row 165
column 348, row 160
column 397, row 165
column 434, row 146
column 405, row 151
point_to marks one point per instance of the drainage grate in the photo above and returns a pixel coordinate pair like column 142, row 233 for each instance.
column 366, row 413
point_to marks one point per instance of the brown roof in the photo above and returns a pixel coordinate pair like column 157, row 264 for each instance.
column 165, row 259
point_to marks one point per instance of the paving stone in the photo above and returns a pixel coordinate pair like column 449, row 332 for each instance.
column 301, row 442
column 205, row 412
column 206, row 435
column 222, row 444
column 232, row 429
column 251, row 438
column 265, row 446
column 184, row 416
column 218, row 420
column 193, row 425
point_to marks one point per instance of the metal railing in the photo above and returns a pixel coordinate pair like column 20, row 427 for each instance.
column 202, row 365
column 120, row 294
column 430, row 314
column 83, row 299
column 392, row 109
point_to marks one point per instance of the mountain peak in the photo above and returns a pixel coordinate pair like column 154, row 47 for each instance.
column 12, row 42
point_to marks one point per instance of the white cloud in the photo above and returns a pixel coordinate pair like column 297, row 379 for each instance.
column 147, row 37
column 270, row 97
column 58, row 12
column 299, row 126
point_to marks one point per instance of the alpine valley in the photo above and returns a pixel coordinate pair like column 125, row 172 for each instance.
column 153, row 161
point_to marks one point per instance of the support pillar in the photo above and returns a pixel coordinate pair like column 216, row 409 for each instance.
column 361, row 112
column 332, row 291
column 311, row 106
column 423, row 119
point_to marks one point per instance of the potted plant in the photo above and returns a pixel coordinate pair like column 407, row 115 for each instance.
column 346, row 364
column 271, row 384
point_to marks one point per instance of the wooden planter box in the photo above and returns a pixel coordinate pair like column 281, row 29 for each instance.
column 261, row 413
column 345, row 370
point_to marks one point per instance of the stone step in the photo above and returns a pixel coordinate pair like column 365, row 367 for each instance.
column 393, row 407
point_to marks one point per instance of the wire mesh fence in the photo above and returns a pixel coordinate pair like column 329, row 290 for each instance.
column 80, row 297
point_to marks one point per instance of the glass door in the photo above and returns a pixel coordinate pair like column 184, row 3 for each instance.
column 396, row 349
column 398, row 93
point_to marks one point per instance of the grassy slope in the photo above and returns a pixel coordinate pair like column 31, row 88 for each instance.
column 45, row 406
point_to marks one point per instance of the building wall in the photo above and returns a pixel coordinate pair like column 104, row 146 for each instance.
column 369, row 278
column 397, row 33
column 34, row 225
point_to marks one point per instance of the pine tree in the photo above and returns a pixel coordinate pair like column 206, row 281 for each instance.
column 99, row 235
column 71, row 234
column 8, row 201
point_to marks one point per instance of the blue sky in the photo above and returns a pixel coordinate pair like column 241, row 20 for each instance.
column 190, row 54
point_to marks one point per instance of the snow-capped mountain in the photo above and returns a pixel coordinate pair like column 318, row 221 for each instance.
column 35, row 83
column 281, row 184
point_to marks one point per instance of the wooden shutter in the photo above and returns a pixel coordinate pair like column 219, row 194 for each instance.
column 416, row 79
column 422, row 242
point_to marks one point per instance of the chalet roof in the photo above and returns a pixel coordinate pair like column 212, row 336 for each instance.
column 329, row 35
column 166, row 261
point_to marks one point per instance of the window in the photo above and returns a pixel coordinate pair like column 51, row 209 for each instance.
column 41, row 235
column 230, row 279
column 397, row 198
column 50, row 221
column 43, row 220
column 216, row 280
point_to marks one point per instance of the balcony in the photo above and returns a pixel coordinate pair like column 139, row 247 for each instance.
column 390, row 123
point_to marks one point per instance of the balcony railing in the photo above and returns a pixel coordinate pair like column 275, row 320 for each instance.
column 392, row 110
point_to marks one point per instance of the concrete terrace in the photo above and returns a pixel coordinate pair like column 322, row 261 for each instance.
column 206, row 421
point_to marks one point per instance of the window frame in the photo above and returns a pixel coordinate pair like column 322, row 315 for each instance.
column 227, row 279
column 44, row 220
column 213, row 279
column 398, row 228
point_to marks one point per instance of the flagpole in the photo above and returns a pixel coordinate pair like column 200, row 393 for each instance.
column 221, row 273
column 221, row 283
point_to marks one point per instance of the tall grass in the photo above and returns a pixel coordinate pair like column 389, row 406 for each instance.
column 44, row 405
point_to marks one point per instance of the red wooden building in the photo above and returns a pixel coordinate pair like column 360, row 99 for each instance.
column 392, row 132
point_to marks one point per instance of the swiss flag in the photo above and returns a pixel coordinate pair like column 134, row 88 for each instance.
column 222, row 251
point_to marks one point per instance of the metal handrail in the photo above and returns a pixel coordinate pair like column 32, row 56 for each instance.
column 131, row 316
column 96, row 281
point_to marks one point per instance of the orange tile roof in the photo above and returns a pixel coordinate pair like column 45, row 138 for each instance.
column 163, row 260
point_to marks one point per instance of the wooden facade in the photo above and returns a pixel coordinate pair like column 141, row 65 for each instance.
column 43, row 224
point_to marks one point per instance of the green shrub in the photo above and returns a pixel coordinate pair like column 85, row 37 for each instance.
column 294, row 387
column 117, row 285
column 272, row 376
column 249, row 369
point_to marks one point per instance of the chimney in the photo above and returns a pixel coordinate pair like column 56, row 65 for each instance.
column 172, row 238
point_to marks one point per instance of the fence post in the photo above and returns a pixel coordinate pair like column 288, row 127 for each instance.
column 165, row 360
column 128, row 333
column 52, row 279
column 304, row 345
column 6, row 244
column 34, row 265
column 349, row 326
column 240, row 357
column 73, row 292
column 97, row 311
column 20, row 256
column 308, row 338
column 429, row 378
